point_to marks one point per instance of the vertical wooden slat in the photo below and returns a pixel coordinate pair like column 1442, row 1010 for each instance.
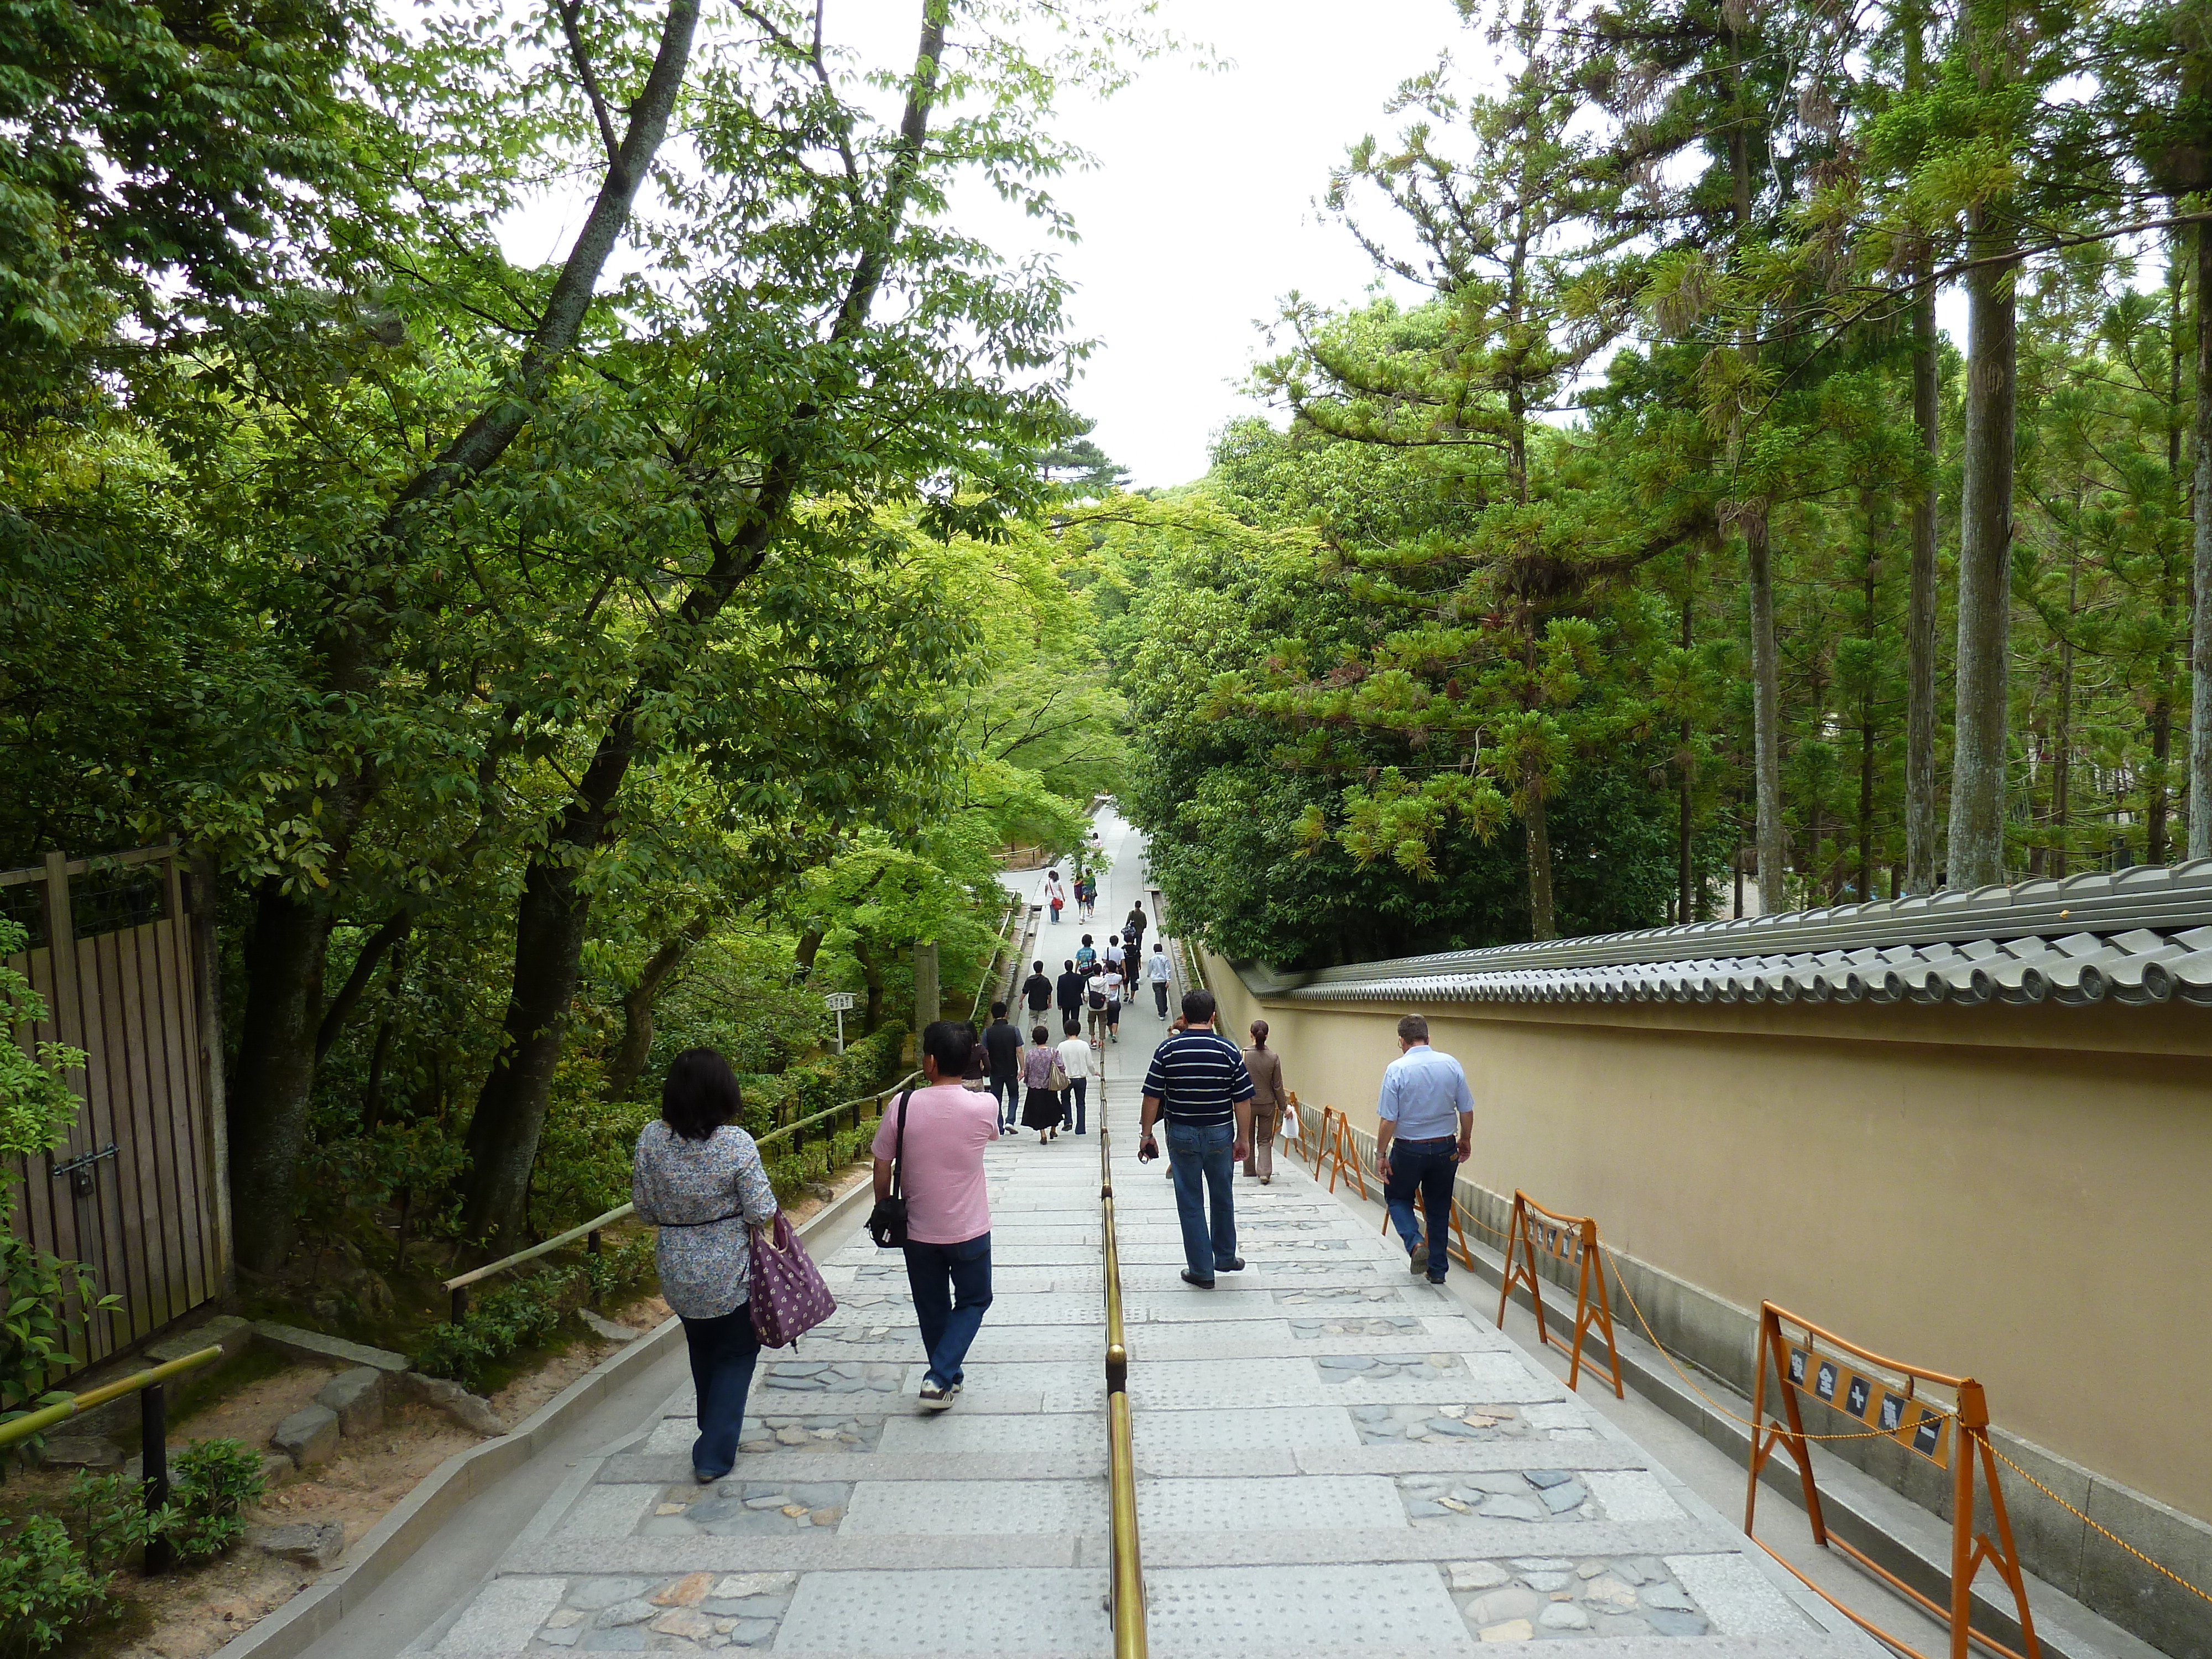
column 180, row 979
column 204, row 983
column 115, row 1178
column 96, row 1243
column 168, row 994
column 172, row 1116
column 142, row 1189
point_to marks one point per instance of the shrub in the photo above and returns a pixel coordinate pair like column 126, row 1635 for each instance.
column 45, row 1587
column 527, row 1310
column 211, row 1482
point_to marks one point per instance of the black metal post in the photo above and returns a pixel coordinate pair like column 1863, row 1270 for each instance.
column 153, row 1459
column 461, row 1303
column 592, row 1244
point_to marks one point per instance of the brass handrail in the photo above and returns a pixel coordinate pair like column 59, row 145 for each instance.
column 1130, row 1640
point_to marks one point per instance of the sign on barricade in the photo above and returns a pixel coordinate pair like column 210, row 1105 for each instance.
column 1885, row 1395
column 1571, row 1240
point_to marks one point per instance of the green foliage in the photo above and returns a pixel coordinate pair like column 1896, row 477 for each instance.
column 524, row 1313
column 46, row 1588
column 211, row 1484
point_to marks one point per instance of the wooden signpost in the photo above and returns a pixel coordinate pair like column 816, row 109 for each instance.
column 1885, row 1395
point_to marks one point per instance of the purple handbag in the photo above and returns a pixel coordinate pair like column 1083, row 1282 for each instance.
column 788, row 1295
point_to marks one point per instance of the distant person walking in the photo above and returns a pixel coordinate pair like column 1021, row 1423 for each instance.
column 1040, row 1100
column 1134, row 929
column 1075, row 1060
column 1199, row 1085
column 1157, row 970
column 698, row 1178
column 1055, row 896
column 1002, row 1050
column 1037, row 990
column 948, row 1211
column 1266, row 1066
column 1423, row 1130
column 1087, row 893
column 1086, row 957
column 1115, row 956
column 1111, row 983
column 1067, row 991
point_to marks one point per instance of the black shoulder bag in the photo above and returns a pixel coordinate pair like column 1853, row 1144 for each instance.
column 887, row 1221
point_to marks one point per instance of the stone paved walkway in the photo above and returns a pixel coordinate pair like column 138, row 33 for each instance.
column 1333, row 1460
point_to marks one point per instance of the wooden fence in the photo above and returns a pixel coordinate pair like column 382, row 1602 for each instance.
column 137, row 1192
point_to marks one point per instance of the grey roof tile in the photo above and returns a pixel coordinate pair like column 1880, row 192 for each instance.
column 2139, row 937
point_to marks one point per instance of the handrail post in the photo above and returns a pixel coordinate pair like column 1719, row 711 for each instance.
column 153, row 1463
column 460, row 1304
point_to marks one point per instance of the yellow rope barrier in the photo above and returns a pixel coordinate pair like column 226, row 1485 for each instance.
column 2106, row 1531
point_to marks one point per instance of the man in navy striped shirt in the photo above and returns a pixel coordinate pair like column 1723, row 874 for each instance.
column 1198, row 1085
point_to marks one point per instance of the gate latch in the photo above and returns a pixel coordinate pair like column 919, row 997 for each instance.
column 78, row 1170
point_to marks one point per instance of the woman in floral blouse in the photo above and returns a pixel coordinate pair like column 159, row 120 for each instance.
column 698, row 1178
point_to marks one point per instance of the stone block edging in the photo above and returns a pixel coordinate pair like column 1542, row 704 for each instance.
column 295, row 1627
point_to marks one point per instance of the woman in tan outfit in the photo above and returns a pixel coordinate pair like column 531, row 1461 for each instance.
column 1268, row 1098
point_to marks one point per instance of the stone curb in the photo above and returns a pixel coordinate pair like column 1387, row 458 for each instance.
column 295, row 1627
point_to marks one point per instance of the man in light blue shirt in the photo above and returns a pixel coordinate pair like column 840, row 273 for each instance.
column 1425, row 1126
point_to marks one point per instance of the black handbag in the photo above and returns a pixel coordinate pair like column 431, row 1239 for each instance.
column 887, row 1221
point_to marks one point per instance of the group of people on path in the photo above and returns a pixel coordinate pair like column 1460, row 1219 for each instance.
column 699, row 1178
column 1085, row 892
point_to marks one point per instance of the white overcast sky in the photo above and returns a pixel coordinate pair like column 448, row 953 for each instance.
column 1199, row 215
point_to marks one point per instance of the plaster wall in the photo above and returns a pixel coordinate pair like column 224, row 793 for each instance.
column 2015, row 1193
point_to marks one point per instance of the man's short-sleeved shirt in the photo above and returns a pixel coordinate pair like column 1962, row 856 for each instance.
column 1111, row 983
column 1424, row 1092
column 1198, row 1077
column 941, row 1166
column 1002, row 1044
column 1038, row 989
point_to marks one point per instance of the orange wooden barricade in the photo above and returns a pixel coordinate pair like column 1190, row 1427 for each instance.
column 1570, row 1238
column 1958, row 1438
column 1339, row 1148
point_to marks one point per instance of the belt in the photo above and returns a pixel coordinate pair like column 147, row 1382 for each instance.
column 1428, row 1140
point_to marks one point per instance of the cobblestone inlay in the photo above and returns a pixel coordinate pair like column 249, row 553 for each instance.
column 738, row 1509
column 1508, row 1495
column 1390, row 1367
column 697, row 1611
column 1530, row 1598
column 821, row 1434
column 1336, row 1293
column 827, row 1376
column 1310, row 1329
column 1438, row 1425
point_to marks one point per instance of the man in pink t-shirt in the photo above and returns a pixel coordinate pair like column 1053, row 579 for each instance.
column 948, row 1212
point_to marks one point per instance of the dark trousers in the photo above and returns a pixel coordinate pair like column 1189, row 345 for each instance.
column 1071, row 1102
column 952, row 1286
column 1069, row 1015
column 1007, row 1091
column 723, row 1353
column 1430, row 1167
column 1199, row 1161
column 1160, row 997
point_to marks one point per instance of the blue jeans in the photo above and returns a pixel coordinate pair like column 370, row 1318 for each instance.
column 1430, row 1166
column 723, row 1353
column 1199, row 1160
column 952, row 1286
column 1007, row 1091
column 1071, row 1102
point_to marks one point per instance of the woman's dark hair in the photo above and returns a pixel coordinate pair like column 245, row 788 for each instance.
column 1038, row 1035
column 1259, row 1034
column 700, row 1094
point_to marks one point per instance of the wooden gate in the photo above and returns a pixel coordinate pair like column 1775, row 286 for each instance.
column 136, row 1193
